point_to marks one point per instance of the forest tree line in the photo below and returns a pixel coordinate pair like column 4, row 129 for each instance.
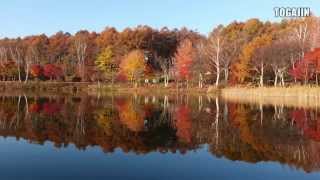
column 251, row 52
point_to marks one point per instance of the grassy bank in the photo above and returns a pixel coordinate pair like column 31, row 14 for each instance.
column 294, row 96
column 94, row 88
column 149, row 89
column 35, row 86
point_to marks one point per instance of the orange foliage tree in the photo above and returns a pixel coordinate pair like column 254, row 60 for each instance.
column 133, row 66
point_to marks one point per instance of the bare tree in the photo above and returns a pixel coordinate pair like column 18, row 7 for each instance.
column 32, row 57
column 3, row 55
column 281, row 53
column 199, row 64
column 81, row 48
column 315, row 33
column 259, row 63
column 18, row 57
column 165, row 65
column 214, row 51
column 301, row 33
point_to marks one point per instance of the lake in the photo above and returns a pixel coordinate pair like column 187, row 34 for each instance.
column 131, row 136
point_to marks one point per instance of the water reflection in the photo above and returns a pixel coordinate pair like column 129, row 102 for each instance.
column 143, row 124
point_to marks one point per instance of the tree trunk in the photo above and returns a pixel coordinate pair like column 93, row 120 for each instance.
column 275, row 79
column 261, row 76
column 226, row 75
column 27, row 74
column 218, row 76
column 200, row 80
column 166, row 80
column 282, row 79
column 19, row 73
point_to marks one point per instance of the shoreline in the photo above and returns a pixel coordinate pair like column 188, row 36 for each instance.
column 229, row 92
column 95, row 88
column 291, row 96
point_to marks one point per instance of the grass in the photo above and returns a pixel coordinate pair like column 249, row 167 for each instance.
column 93, row 88
column 293, row 96
column 148, row 89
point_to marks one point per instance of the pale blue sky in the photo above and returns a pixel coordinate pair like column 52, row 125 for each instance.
column 26, row 17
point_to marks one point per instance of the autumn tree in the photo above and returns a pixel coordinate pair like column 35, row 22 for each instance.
column 58, row 46
column 108, row 37
column 133, row 66
column 106, row 62
column 36, row 71
column 52, row 71
column 259, row 55
column 83, row 50
column 36, row 52
column 248, row 31
column 183, row 60
column 17, row 52
column 233, row 42
column 281, row 54
column 307, row 68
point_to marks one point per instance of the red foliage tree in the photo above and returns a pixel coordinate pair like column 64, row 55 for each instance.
column 307, row 68
column 52, row 71
column 36, row 70
column 302, row 71
column 184, row 58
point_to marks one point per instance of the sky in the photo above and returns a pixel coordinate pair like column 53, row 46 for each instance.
column 30, row 17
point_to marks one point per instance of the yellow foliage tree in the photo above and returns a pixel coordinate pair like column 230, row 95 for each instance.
column 133, row 66
column 106, row 62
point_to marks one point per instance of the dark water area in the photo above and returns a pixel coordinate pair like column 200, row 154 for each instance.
column 155, row 137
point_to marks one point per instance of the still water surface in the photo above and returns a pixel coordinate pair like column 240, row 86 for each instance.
column 155, row 137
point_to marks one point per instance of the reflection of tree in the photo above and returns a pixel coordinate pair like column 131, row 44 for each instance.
column 167, row 124
column 130, row 115
column 308, row 122
column 104, row 119
column 80, row 128
column 10, row 113
column 273, row 140
column 183, row 123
